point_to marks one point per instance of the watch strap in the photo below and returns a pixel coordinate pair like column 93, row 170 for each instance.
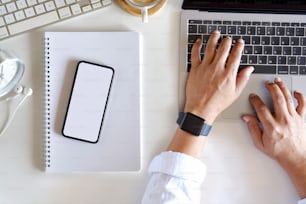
column 205, row 129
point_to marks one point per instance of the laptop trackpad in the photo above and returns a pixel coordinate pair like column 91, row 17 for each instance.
column 255, row 85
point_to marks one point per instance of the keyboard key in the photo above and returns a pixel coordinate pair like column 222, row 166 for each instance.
column 64, row 12
column 265, row 40
column 296, row 50
column 227, row 23
column 265, row 69
column 258, row 50
column 203, row 29
column 291, row 60
column 304, row 51
column 248, row 49
column 251, row 30
column 300, row 32
column 231, row 30
column 283, row 69
column 294, row 41
column 270, row 30
column 237, row 22
column 192, row 28
column 205, row 38
column 271, row 59
column 277, row 50
column 303, row 70
column 285, row 24
column 36, row 21
column 222, row 29
column 21, row 4
column 252, row 59
column 275, row 40
column 284, row 40
column 303, row 41
column 247, row 40
column 290, row 31
column 255, row 40
column 262, row 59
column 280, row 31
column 195, row 21
column 287, row 51
column 267, row 50
column 241, row 30
column 244, row 59
column 294, row 69
column 50, row 5
column 301, row 60
column 193, row 38
column 3, row 32
column 211, row 28
column 261, row 30
column 281, row 60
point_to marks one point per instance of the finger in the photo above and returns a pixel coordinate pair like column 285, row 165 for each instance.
column 235, row 56
column 287, row 95
column 301, row 108
column 255, row 131
column 211, row 47
column 278, row 99
column 195, row 53
column 243, row 78
column 263, row 113
column 223, row 51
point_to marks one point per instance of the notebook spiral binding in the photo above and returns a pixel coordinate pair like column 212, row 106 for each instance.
column 47, row 133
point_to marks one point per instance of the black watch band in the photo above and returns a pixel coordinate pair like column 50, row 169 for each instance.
column 193, row 124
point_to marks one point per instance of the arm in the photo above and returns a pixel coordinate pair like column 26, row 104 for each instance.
column 176, row 176
column 213, row 84
column 282, row 135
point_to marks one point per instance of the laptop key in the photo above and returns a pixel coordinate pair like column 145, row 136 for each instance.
column 261, row 30
column 294, row 41
column 251, row 30
column 300, row 32
column 303, row 70
column 280, row 31
column 248, row 49
column 296, row 50
column 193, row 38
column 270, row 30
column 195, row 21
column 283, row 70
column 271, row 59
column 267, row 50
column 277, row 50
column 304, row 51
column 247, row 40
column 231, row 30
column 284, row 40
column 192, row 28
column 291, row 60
column 252, row 59
column 281, row 60
column 265, row 69
column 294, row 70
column 222, row 29
column 255, row 40
column 290, row 31
column 265, row 40
column 301, row 60
column 203, row 29
column 275, row 40
column 287, row 51
column 262, row 59
column 241, row 30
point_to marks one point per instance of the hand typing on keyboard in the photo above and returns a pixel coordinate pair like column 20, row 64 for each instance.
column 17, row 16
column 214, row 82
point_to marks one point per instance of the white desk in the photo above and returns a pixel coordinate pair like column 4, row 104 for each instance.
column 233, row 176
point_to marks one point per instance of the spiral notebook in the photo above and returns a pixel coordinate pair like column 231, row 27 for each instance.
column 119, row 145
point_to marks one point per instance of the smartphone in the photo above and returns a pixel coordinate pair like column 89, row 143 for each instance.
column 88, row 101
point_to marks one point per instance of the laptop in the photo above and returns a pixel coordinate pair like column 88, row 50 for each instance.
column 275, row 43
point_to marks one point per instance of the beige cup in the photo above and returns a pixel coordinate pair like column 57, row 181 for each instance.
column 144, row 6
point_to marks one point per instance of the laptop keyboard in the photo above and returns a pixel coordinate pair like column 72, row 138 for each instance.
column 271, row 47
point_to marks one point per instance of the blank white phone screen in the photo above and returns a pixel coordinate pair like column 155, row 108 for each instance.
column 88, row 102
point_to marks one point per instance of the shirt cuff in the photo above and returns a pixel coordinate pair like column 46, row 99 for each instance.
column 302, row 201
column 178, row 165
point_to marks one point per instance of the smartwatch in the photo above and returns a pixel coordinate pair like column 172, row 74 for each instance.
column 193, row 124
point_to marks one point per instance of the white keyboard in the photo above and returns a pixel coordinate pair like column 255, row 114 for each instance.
column 18, row 16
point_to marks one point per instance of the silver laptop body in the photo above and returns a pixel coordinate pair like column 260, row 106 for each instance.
column 294, row 77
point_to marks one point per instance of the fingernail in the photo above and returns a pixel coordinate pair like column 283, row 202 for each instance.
column 245, row 119
column 198, row 40
column 240, row 40
column 277, row 79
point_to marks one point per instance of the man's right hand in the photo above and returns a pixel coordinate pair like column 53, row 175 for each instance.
column 282, row 134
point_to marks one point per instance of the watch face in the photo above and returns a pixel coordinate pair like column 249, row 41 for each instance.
column 192, row 124
column 11, row 71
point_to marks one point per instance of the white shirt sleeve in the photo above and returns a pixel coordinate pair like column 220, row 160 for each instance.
column 174, row 178
column 302, row 201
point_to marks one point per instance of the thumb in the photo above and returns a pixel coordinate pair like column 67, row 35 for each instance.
column 255, row 131
column 243, row 77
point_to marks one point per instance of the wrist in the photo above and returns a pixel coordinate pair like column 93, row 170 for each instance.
column 208, row 116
